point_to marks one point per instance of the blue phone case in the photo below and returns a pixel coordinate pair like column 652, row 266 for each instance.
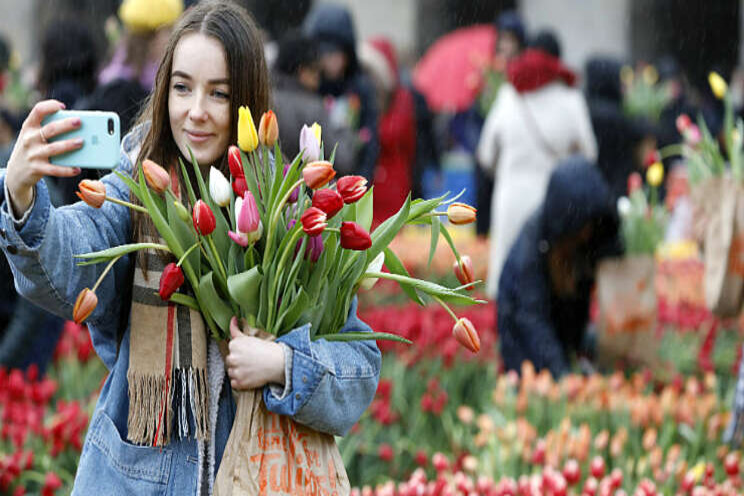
column 101, row 140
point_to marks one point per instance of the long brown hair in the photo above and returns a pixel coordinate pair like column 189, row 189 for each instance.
column 239, row 35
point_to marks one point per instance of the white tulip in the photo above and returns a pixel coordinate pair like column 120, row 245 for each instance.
column 219, row 187
column 375, row 266
column 623, row 206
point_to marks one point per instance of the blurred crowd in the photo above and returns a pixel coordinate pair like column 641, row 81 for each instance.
column 551, row 149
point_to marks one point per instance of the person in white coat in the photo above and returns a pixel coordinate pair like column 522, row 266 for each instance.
column 537, row 120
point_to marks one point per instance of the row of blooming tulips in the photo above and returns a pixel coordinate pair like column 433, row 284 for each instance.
column 44, row 418
column 503, row 427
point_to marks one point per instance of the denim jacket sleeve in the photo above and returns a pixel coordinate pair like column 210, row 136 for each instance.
column 331, row 383
column 41, row 253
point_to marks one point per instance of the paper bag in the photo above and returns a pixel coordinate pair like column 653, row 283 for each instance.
column 722, row 248
column 270, row 454
column 626, row 298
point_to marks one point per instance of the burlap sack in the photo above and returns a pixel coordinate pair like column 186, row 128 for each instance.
column 627, row 311
column 724, row 229
column 270, row 454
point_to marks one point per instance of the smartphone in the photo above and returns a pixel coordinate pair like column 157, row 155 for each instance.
column 101, row 140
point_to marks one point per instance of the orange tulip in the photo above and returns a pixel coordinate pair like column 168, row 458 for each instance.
column 461, row 213
column 464, row 274
column 157, row 177
column 466, row 335
column 268, row 129
column 84, row 305
column 318, row 173
column 92, row 192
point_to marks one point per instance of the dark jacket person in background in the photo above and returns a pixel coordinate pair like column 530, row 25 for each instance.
column 619, row 137
column 352, row 94
column 295, row 82
column 544, row 289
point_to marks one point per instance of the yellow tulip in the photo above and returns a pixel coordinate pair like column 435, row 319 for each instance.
column 247, row 134
column 717, row 84
column 316, row 129
column 655, row 174
column 650, row 75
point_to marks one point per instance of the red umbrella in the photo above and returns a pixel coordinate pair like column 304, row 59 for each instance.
column 449, row 73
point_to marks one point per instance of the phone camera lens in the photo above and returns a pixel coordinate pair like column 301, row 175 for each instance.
column 111, row 127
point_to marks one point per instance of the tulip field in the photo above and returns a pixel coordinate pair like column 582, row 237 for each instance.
column 446, row 421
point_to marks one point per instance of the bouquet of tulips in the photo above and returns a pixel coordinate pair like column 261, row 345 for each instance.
column 278, row 244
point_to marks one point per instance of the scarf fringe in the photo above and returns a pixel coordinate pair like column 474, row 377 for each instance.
column 151, row 413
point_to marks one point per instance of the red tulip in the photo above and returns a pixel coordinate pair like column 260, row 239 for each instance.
column 651, row 158
column 204, row 221
column 466, row 335
column 92, row 192
column 329, row 201
column 385, row 452
column 157, row 177
column 84, row 305
column 354, row 237
column 318, row 173
column 239, row 186
column 268, row 129
column 52, row 482
column 313, row 221
column 352, row 188
column 597, row 467
column 634, row 182
column 572, row 472
column 683, row 123
column 464, row 274
column 235, row 162
column 731, row 464
column 170, row 280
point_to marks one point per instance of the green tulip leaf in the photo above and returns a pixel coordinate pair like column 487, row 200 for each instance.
column 245, row 289
column 395, row 266
column 214, row 304
column 364, row 210
column 362, row 336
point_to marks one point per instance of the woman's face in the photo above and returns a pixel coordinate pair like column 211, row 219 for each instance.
column 199, row 98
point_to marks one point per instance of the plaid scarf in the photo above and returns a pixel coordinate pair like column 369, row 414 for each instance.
column 167, row 363
column 167, row 359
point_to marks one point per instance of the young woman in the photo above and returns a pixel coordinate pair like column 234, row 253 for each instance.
column 213, row 63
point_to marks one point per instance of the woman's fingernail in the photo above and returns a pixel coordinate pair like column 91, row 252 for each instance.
column 76, row 122
column 78, row 141
column 78, row 170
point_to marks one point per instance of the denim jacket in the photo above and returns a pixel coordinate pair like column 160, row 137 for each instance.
column 328, row 385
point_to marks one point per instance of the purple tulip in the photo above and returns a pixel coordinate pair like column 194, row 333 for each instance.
column 296, row 193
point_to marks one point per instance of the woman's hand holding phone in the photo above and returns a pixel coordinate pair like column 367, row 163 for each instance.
column 29, row 161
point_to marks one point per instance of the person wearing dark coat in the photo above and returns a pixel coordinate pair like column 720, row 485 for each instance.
column 295, row 81
column 618, row 136
column 545, row 285
column 352, row 92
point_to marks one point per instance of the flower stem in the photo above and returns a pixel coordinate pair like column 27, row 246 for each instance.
column 672, row 150
column 105, row 271
column 275, row 220
column 216, row 257
column 127, row 204
column 444, row 305
column 186, row 253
